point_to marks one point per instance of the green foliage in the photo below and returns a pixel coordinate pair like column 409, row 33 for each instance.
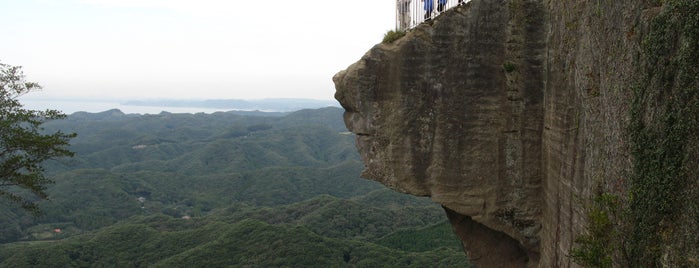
column 260, row 191
column 421, row 239
column 596, row 248
column 360, row 221
column 22, row 145
column 392, row 35
column 186, row 164
column 160, row 241
column 509, row 67
column 665, row 131
column 291, row 236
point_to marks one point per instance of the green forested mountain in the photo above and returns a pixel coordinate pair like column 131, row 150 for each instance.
column 223, row 189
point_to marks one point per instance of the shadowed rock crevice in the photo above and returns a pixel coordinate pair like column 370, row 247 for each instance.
column 487, row 247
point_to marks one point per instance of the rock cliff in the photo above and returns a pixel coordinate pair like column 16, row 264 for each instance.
column 517, row 115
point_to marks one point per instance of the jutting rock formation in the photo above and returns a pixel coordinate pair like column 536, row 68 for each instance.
column 554, row 133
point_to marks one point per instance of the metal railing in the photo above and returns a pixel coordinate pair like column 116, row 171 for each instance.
column 410, row 13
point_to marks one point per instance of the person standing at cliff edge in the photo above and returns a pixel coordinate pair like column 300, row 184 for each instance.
column 429, row 6
column 441, row 5
column 404, row 14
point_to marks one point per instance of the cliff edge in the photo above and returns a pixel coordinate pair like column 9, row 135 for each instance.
column 519, row 116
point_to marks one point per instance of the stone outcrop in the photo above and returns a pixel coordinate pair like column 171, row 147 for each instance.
column 512, row 114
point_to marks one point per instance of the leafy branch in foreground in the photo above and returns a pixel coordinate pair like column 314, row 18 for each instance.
column 23, row 146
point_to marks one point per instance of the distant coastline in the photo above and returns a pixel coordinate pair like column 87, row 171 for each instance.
column 69, row 106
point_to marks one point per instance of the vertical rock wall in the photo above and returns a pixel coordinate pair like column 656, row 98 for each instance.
column 588, row 76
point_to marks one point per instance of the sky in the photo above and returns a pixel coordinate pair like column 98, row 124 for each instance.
column 188, row 49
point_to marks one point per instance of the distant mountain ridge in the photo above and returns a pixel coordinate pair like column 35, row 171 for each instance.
column 270, row 105
column 116, row 113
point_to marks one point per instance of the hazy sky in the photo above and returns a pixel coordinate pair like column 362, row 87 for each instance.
column 204, row 49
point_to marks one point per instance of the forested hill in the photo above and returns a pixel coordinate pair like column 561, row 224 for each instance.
column 220, row 189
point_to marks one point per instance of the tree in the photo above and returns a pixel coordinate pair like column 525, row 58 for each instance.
column 23, row 145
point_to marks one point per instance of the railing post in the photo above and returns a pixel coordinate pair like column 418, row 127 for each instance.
column 398, row 15
column 404, row 14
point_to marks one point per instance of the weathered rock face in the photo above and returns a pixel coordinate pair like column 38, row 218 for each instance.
column 454, row 111
column 512, row 114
